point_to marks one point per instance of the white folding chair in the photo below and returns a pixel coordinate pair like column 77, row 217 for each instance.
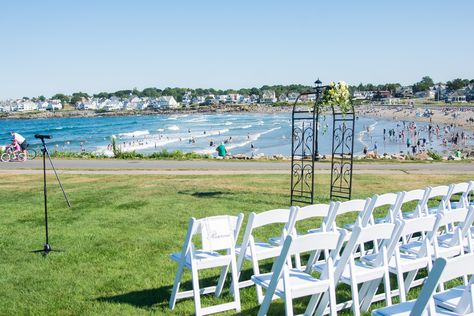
column 442, row 192
column 456, row 301
column 465, row 189
column 392, row 200
column 352, row 272
column 255, row 251
column 418, row 195
column 410, row 263
column 218, row 234
column 315, row 211
column 287, row 283
column 459, row 237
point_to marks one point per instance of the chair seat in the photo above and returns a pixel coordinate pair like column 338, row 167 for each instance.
column 276, row 241
column 381, row 220
column 263, row 250
column 457, row 204
column 404, row 309
column 408, row 262
column 363, row 273
column 301, row 283
column 408, row 215
column 204, row 259
column 450, row 299
column 444, row 249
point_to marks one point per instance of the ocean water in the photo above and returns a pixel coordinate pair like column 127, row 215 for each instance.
column 269, row 134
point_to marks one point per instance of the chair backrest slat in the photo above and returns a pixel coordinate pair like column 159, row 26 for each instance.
column 376, row 232
column 316, row 241
column 271, row 217
column 315, row 210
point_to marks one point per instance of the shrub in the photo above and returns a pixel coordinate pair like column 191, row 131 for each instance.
column 434, row 155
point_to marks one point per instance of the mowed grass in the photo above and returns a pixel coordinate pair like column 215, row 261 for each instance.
column 121, row 229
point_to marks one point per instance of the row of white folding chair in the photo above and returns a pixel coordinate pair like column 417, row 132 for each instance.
column 218, row 233
column 455, row 301
column 253, row 250
column 351, row 269
column 414, row 255
column 288, row 283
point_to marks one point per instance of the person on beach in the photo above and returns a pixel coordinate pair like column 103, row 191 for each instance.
column 221, row 150
column 21, row 142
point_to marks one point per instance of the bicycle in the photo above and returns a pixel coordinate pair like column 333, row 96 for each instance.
column 30, row 153
column 10, row 156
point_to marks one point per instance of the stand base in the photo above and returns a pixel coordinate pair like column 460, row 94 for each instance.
column 46, row 250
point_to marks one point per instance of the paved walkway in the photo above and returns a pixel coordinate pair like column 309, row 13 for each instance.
column 203, row 167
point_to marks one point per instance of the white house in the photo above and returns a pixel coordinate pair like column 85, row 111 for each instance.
column 54, row 105
column 23, row 106
column 87, row 105
column 292, row 97
column 166, row 102
column 268, row 97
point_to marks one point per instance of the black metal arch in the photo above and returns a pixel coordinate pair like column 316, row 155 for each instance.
column 304, row 150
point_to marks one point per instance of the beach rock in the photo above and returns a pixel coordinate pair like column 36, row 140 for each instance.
column 371, row 155
column 397, row 157
column 421, row 156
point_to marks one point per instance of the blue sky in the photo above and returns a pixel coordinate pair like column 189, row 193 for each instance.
column 91, row 46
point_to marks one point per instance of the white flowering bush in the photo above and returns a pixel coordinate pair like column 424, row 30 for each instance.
column 337, row 94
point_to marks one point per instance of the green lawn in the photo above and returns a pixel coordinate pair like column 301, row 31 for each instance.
column 120, row 230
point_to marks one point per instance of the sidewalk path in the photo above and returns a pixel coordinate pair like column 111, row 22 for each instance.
column 203, row 167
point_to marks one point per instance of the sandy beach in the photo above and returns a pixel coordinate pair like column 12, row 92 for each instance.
column 459, row 116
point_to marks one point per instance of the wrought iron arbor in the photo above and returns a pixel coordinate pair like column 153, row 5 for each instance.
column 304, row 149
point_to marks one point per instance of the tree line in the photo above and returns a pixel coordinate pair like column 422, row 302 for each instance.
column 178, row 93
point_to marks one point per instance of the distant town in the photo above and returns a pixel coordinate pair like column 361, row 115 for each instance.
column 425, row 91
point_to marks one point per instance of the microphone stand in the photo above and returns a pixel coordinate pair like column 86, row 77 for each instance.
column 47, row 247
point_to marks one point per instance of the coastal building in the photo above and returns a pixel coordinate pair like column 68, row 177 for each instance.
column 404, row 92
column 382, row 94
column 187, row 98
column 54, row 105
column 282, row 98
column 470, row 93
column 25, row 105
column 292, row 97
column 268, row 97
column 198, row 100
column 458, row 96
column 87, row 105
column 166, row 102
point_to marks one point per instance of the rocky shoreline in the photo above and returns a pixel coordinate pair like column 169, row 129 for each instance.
column 91, row 113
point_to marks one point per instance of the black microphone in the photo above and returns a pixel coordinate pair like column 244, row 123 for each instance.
column 43, row 136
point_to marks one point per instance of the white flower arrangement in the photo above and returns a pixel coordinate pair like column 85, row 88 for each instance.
column 337, row 94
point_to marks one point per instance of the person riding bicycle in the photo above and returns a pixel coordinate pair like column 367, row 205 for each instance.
column 15, row 146
column 21, row 142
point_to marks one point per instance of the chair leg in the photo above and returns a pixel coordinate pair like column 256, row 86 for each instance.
column 235, row 282
column 386, row 285
column 196, row 292
column 355, row 299
column 332, row 300
column 401, row 287
column 313, row 302
column 323, row 303
column 288, row 305
column 220, row 283
column 265, row 305
column 177, row 283
column 409, row 279
column 256, row 271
